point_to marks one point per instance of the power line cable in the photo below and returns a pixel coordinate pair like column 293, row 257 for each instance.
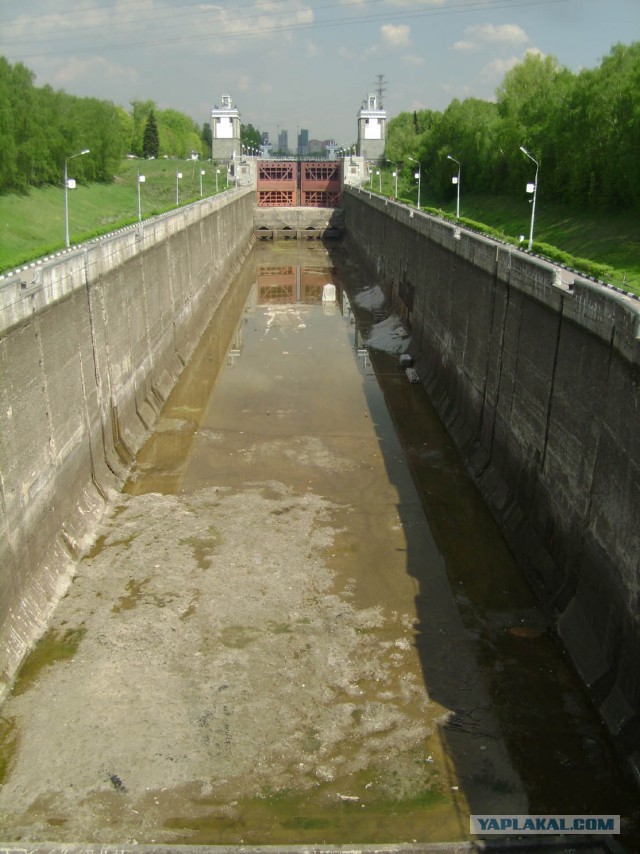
column 174, row 12
column 293, row 27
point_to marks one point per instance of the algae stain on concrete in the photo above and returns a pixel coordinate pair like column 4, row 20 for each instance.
column 8, row 746
column 54, row 646
column 203, row 547
column 135, row 589
column 326, row 814
column 103, row 542
column 238, row 637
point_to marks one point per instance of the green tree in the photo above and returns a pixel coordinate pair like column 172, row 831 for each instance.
column 140, row 111
column 125, row 128
column 401, row 137
column 605, row 168
column 100, row 130
column 250, row 136
column 532, row 100
column 179, row 134
column 8, row 148
column 151, row 137
column 207, row 140
column 467, row 131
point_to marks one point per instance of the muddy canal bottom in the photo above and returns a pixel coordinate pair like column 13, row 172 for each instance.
column 239, row 659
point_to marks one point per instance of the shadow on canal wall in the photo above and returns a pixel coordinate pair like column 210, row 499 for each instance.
column 537, row 382
column 91, row 343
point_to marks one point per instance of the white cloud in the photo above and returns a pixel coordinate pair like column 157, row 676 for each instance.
column 73, row 70
column 396, row 35
column 391, row 36
column 312, row 48
column 347, row 54
column 535, row 51
column 456, row 90
column 413, row 60
column 481, row 35
column 497, row 68
column 409, row 3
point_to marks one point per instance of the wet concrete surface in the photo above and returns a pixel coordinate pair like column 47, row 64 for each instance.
column 269, row 644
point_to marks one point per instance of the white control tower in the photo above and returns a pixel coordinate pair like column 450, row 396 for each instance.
column 372, row 130
column 225, row 130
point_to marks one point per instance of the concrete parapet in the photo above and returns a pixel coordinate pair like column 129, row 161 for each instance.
column 91, row 343
column 537, row 376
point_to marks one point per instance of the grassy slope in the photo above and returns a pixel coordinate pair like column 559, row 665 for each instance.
column 611, row 238
column 33, row 225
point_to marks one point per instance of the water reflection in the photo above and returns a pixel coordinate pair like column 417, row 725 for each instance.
column 289, row 284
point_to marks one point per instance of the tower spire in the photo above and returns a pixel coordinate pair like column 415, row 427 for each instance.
column 381, row 89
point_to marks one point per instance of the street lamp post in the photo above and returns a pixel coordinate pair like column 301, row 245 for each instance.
column 456, row 180
column 379, row 180
column 217, row 173
column 66, row 194
column 533, row 189
column 178, row 176
column 201, row 174
column 141, row 180
column 418, row 176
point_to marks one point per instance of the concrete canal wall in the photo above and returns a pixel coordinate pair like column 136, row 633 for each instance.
column 91, row 344
column 538, row 383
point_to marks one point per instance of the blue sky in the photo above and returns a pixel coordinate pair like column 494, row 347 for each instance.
column 295, row 64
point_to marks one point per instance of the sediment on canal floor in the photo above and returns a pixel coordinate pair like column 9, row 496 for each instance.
column 91, row 344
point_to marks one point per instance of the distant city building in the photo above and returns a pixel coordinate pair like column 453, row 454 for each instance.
column 225, row 130
column 314, row 146
column 264, row 139
column 372, row 130
column 283, row 142
column 303, row 142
